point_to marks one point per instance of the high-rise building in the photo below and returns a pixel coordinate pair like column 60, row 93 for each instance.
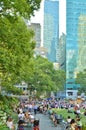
column 37, row 30
column 75, row 37
column 81, row 62
column 51, row 28
column 36, row 27
column 40, row 51
column 62, row 52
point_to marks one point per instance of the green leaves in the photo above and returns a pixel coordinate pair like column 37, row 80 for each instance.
column 16, row 50
column 45, row 77
column 13, row 8
column 81, row 79
column 16, row 41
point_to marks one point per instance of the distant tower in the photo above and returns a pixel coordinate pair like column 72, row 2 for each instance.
column 51, row 28
column 41, row 51
column 81, row 63
column 37, row 30
column 62, row 52
column 74, row 9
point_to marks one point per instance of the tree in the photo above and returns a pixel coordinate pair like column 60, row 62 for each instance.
column 16, row 50
column 16, row 41
column 13, row 8
column 81, row 79
column 59, row 77
column 40, row 78
column 45, row 77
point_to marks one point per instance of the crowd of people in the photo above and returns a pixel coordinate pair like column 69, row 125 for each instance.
column 27, row 109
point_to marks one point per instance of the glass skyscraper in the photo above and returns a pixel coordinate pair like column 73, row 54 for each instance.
column 81, row 43
column 75, row 39
column 62, row 52
column 51, row 28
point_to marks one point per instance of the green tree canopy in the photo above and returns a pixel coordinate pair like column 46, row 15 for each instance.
column 16, row 50
column 45, row 77
column 81, row 79
column 16, row 41
column 13, row 8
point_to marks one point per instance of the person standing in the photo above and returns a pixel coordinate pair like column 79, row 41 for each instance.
column 35, row 109
column 10, row 124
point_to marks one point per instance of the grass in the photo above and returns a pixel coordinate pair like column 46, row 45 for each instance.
column 65, row 114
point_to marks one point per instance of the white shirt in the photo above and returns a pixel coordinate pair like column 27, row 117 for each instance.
column 21, row 115
column 10, row 124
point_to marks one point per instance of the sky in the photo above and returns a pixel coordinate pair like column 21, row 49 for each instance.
column 62, row 16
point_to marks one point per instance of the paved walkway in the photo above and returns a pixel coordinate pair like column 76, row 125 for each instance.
column 46, row 123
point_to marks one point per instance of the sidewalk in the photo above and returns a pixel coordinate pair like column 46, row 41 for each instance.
column 46, row 123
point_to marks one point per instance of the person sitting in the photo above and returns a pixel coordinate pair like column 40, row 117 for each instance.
column 26, row 117
column 20, row 125
column 21, row 115
column 36, row 124
column 32, row 118
column 73, row 124
column 68, row 122
column 79, row 124
column 78, row 111
column 69, row 110
column 68, row 119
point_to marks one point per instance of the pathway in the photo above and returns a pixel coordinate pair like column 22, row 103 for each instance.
column 46, row 123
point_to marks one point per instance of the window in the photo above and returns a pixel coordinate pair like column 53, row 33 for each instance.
column 70, row 93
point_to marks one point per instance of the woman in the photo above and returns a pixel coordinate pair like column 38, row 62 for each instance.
column 10, row 123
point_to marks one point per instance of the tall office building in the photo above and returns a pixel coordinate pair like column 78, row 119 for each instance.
column 81, row 43
column 51, row 28
column 37, row 30
column 75, row 39
column 62, row 52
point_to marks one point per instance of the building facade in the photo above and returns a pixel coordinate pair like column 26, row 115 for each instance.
column 75, row 32
column 51, row 28
column 41, row 51
column 62, row 52
column 37, row 30
column 81, row 43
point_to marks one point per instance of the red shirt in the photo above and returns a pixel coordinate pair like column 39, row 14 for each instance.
column 36, row 128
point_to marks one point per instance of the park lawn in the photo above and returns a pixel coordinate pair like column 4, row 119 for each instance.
column 65, row 114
